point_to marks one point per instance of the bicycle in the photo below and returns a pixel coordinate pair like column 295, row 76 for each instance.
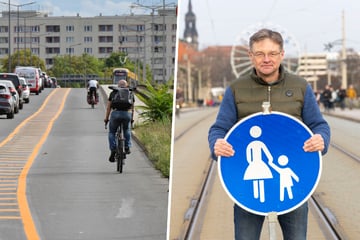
column 92, row 98
column 120, row 154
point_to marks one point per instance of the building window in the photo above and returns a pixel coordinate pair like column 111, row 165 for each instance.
column 55, row 50
column 105, row 39
column 159, row 27
column 105, row 49
column 51, row 39
column 88, row 39
column 87, row 28
column 49, row 61
column 159, row 72
column 70, row 28
column 69, row 39
column 130, row 28
column 4, row 28
column 105, row 28
column 4, row 51
column 157, row 60
column 70, row 50
column 140, row 28
column 122, row 49
column 35, row 51
column 3, row 40
column 88, row 50
column 158, row 49
column 35, row 28
column 159, row 39
column 53, row 28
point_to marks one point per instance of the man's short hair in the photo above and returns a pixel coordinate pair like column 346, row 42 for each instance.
column 264, row 34
column 122, row 83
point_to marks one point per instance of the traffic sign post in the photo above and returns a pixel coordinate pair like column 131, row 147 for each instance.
column 269, row 172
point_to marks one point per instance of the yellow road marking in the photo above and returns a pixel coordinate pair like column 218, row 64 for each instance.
column 17, row 129
column 29, row 226
column 10, row 217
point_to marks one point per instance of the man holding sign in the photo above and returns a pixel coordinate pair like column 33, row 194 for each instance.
column 269, row 84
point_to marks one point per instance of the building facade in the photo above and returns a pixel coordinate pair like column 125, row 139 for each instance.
column 151, row 39
column 313, row 67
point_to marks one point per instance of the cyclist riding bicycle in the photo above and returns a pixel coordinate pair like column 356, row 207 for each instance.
column 92, row 86
column 117, row 115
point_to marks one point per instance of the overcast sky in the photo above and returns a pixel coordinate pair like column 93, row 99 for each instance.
column 87, row 8
column 311, row 23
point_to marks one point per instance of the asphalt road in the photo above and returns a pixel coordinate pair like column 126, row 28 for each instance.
column 74, row 192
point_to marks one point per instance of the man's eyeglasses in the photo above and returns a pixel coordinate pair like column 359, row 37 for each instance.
column 261, row 55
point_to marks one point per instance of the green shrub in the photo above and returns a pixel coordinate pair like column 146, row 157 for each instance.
column 158, row 102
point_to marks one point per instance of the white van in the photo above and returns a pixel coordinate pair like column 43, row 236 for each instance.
column 31, row 74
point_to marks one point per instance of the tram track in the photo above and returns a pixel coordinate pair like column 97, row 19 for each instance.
column 326, row 219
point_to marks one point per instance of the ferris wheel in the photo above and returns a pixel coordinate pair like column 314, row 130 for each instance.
column 239, row 57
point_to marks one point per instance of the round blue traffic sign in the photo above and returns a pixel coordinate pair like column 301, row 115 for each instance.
column 270, row 171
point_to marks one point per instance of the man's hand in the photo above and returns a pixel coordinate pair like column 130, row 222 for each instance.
column 223, row 148
column 313, row 144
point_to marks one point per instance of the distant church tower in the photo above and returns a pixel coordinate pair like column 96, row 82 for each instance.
column 190, row 33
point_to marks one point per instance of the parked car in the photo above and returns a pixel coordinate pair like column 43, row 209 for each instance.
column 14, row 93
column 26, row 89
column 7, row 103
column 47, row 80
column 14, row 78
column 32, row 75
column 42, row 83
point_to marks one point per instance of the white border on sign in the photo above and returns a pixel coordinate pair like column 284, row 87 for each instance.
column 267, row 213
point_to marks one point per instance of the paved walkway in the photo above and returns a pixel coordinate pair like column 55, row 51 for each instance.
column 353, row 114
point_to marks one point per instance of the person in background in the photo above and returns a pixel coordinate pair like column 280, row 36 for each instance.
column 92, row 86
column 326, row 97
column 333, row 98
column 288, row 93
column 352, row 95
column 341, row 95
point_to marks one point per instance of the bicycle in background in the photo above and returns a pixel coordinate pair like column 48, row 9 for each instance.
column 92, row 98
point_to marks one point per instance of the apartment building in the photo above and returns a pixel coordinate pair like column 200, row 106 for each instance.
column 312, row 67
column 149, row 38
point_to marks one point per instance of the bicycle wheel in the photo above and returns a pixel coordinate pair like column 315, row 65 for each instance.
column 120, row 149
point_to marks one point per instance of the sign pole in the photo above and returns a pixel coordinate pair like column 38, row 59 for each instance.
column 272, row 220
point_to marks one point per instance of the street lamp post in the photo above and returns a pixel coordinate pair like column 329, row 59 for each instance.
column 70, row 47
column 164, row 43
column 9, row 36
column 341, row 42
column 70, row 51
column 17, row 27
column 153, row 8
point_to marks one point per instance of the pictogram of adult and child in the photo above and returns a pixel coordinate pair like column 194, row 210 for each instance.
column 258, row 170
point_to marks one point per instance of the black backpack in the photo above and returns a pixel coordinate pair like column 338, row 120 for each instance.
column 122, row 99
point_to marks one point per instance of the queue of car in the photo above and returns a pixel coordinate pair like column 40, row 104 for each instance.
column 15, row 88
